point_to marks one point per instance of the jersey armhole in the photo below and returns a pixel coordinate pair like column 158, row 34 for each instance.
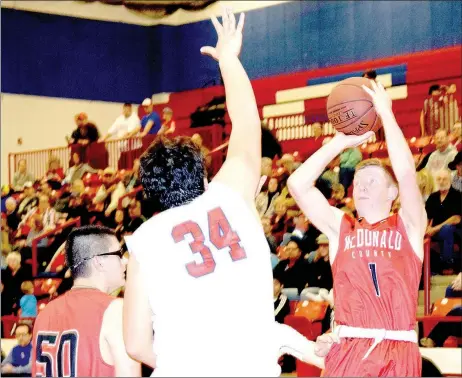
column 346, row 224
column 402, row 225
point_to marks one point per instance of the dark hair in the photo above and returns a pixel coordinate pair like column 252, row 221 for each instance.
column 434, row 87
column 370, row 74
column 21, row 324
column 172, row 172
column 127, row 105
column 83, row 243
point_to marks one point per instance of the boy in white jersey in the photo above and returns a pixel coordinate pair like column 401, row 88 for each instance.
column 199, row 273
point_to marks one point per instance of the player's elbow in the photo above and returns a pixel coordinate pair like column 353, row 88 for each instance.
column 297, row 187
column 133, row 349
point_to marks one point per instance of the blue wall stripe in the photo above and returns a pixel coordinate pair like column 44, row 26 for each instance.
column 59, row 56
column 398, row 75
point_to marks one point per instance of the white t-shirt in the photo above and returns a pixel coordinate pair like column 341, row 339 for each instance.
column 215, row 319
column 122, row 126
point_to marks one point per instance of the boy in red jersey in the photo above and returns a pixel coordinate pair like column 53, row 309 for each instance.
column 79, row 334
column 377, row 259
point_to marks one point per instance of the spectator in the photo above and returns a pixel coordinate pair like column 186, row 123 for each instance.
column 287, row 162
column 150, row 123
column 21, row 176
column 132, row 179
column 440, row 109
column 45, row 212
column 78, row 170
column 456, row 166
column 264, row 202
column 456, row 136
column 19, row 361
column 443, row 155
column 85, row 133
column 320, row 272
column 292, row 272
column 370, row 74
column 306, row 234
column 123, row 127
column 266, row 223
column 36, row 229
column 444, row 209
column 281, row 303
column 12, row 278
column 109, row 193
column 120, row 228
column 349, row 159
column 169, row 125
column 197, row 139
column 136, row 218
column 28, row 302
column 425, row 182
column 29, row 201
column 279, row 220
column 266, row 167
column 12, row 217
column 338, row 196
column 55, row 173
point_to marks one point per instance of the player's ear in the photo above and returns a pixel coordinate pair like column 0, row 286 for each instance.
column 206, row 183
column 98, row 264
column 392, row 192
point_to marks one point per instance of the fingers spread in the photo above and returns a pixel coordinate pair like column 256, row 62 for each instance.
column 217, row 25
column 240, row 25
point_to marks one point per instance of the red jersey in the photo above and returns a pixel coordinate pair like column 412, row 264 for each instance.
column 66, row 336
column 376, row 281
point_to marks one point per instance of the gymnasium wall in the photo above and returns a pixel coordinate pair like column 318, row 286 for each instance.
column 59, row 56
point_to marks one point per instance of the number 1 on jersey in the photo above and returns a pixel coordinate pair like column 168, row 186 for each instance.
column 220, row 235
column 372, row 268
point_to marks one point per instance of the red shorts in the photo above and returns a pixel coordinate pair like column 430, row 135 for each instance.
column 388, row 359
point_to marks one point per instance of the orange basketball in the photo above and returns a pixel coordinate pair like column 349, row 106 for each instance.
column 350, row 108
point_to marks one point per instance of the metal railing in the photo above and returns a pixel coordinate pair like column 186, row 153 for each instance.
column 71, row 223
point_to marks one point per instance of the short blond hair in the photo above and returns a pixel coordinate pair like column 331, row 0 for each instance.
column 374, row 162
column 425, row 182
column 27, row 287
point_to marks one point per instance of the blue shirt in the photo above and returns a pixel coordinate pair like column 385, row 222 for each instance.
column 28, row 305
column 20, row 358
column 154, row 117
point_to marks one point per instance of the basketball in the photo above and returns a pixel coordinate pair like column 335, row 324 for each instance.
column 350, row 109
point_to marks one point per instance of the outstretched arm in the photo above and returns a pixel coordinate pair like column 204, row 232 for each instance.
column 241, row 170
column 302, row 184
column 412, row 205
column 294, row 343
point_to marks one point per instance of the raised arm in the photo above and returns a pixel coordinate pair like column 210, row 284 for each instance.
column 137, row 316
column 241, row 171
column 302, row 184
column 412, row 206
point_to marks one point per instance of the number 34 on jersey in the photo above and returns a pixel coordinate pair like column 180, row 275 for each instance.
column 219, row 233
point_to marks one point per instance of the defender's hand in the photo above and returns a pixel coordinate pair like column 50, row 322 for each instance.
column 229, row 36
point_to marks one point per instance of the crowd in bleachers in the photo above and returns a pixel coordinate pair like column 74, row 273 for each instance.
column 34, row 206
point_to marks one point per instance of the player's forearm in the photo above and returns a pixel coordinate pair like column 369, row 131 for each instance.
column 242, row 107
column 299, row 346
column 307, row 174
column 400, row 155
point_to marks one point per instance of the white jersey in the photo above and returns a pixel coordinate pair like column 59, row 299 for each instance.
column 207, row 269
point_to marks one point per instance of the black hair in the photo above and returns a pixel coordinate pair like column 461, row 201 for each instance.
column 83, row 243
column 434, row 87
column 172, row 172
column 370, row 74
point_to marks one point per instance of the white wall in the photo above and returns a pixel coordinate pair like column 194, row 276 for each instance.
column 44, row 122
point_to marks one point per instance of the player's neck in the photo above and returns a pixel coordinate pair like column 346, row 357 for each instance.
column 375, row 217
column 89, row 283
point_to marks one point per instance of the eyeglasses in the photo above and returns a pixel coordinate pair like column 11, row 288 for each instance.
column 119, row 253
column 22, row 335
